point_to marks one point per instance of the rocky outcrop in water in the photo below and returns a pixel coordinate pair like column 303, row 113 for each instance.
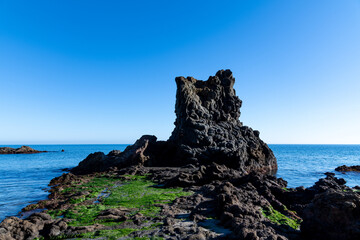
column 207, row 129
column 21, row 150
column 345, row 168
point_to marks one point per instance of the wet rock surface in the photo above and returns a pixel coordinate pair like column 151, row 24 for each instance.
column 21, row 150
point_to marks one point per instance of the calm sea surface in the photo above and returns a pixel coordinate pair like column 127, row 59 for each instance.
column 24, row 178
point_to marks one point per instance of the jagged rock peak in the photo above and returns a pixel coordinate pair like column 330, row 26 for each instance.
column 208, row 129
column 213, row 100
column 205, row 102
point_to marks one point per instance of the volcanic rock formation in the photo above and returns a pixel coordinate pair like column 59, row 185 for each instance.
column 207, row 129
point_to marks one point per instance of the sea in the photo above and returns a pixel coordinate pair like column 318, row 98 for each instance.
column 24, row 178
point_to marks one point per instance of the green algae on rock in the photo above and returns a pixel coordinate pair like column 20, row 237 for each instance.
column 130, row 195
column 276, row 217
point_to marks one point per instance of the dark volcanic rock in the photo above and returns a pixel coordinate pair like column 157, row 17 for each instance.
column 345, row 168
column 207, row 130
column 133, row 155
column 298, row 198
column 236, row 203
column 95, row 162
column 329, row 209
column 332, row 215
column 21, row 150
column 37, row 224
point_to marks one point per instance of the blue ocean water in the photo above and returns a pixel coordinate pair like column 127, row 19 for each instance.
column 24, row 178
column 303, row 165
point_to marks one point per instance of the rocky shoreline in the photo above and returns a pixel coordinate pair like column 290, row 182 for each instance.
column 21, row 150
column 223, row 205
column 211, row 180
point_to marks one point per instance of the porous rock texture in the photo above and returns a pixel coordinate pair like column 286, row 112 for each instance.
column 207, row 129
column 13, row 228
column 333, row 215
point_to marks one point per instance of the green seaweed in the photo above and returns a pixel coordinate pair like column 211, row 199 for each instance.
column 84, row 215
column 77, row 200
column 135, row 193
column 279, row 218
column 146, row 238
column 152, row 226
column 56, row 213
column 140, row 194
column 121, row 232
column 109, row 234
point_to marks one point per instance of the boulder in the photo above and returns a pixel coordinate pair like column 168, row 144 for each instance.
column 332, row 215
column 95, row 162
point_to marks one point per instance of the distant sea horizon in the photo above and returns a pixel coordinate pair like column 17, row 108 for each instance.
column 25, row 177
column 16, row 145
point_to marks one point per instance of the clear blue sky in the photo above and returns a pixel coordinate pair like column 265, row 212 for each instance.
column 103, row 71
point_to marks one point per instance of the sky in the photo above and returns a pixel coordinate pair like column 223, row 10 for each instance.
column 90, row 71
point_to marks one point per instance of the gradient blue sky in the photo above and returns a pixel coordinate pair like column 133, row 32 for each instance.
column 103, row 71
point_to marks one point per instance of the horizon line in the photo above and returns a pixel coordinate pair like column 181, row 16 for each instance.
column 22, row 144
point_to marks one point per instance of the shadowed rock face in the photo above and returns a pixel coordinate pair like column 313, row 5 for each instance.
column 208, row 129
column 132, row 155
column 332, row 215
